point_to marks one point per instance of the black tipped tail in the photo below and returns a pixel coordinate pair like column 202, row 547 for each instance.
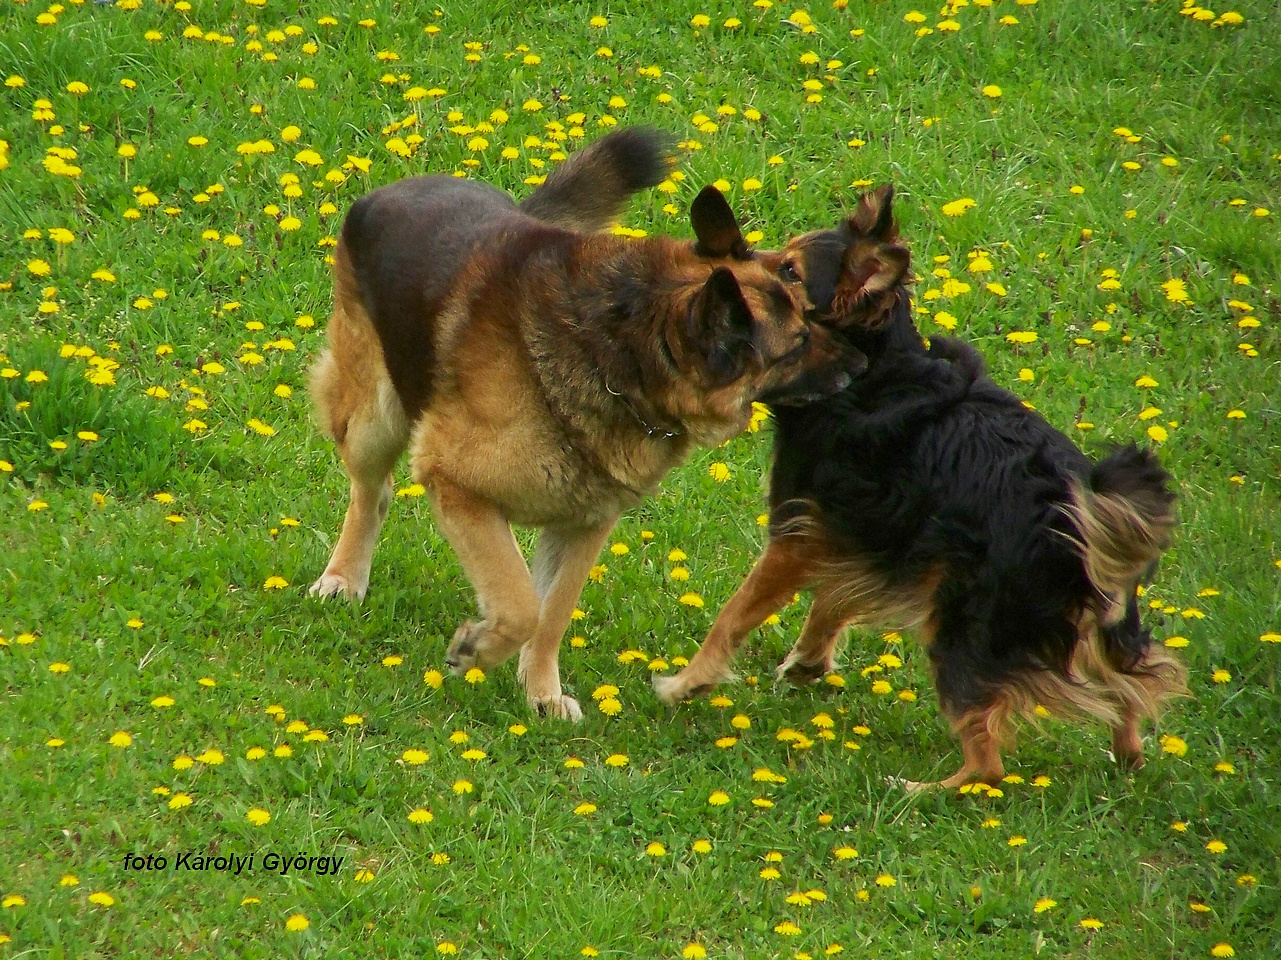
column 1124, row 519
column 589, row 191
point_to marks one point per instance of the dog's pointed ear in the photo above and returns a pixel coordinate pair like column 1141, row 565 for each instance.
column 870, row 269
column 716, row 226
column 874, row 217
column 874, row 263
column 719, row 322
column 720, row 305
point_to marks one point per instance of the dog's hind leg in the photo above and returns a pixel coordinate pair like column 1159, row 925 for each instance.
column 783, row 569
column 562, row 560
column 814, row 653
column 358, row 407
column 1127, row 742
column 483, row 540
column 373, row 441
column 348, row 569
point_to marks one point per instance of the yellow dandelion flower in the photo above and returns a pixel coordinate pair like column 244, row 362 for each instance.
column 957, row 207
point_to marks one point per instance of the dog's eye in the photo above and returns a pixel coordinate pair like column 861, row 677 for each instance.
column 788, row 272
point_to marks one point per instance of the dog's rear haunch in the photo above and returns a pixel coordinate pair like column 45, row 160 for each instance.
column 542, row 374
column 925, row 496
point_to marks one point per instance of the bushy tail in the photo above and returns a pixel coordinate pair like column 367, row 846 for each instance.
column 1123, row 515
column 589, row 191
column 1123, row 519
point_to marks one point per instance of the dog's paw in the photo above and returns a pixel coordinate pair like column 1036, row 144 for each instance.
column 334, row 584
column 481, row 644
column 464, row 649
column 669, row 689
column 679, row 688
column 798, row 673
column 560, row 705
column 910, row 786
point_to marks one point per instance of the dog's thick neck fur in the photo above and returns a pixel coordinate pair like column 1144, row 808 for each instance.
column 628, row 295
column 602, row 294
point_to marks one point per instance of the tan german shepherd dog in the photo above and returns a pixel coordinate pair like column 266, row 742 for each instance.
column 542, row 374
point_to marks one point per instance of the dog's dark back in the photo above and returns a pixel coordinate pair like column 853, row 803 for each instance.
column 924, row 444
column 407, row 241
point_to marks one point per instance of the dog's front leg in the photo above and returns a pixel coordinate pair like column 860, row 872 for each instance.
column 562, row 560
column 482, row 538
column 783, row 569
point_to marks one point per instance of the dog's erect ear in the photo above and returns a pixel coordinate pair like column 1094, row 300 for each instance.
column 719, row 324
column 716, row 226
column 874, row 263
column 874, row 217
column 720, row 307
column 870, row 269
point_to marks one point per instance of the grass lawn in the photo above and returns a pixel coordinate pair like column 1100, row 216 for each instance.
column 172, row 179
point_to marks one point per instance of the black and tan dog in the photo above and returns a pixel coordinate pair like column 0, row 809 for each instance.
column 925, row 496
column 541, row 375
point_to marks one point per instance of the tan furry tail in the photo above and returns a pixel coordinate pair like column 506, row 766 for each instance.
column 1123, row 520
column 1095, row 684
column 590, row 190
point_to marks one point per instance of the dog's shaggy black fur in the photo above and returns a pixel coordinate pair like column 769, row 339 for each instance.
column 924, row 495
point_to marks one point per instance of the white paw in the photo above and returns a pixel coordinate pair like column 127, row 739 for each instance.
column 795, row 671
column 911, row 786
column 670, row 689
column 681, row 687
column 464, row 649
column 333, row 584
column 562, row 706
